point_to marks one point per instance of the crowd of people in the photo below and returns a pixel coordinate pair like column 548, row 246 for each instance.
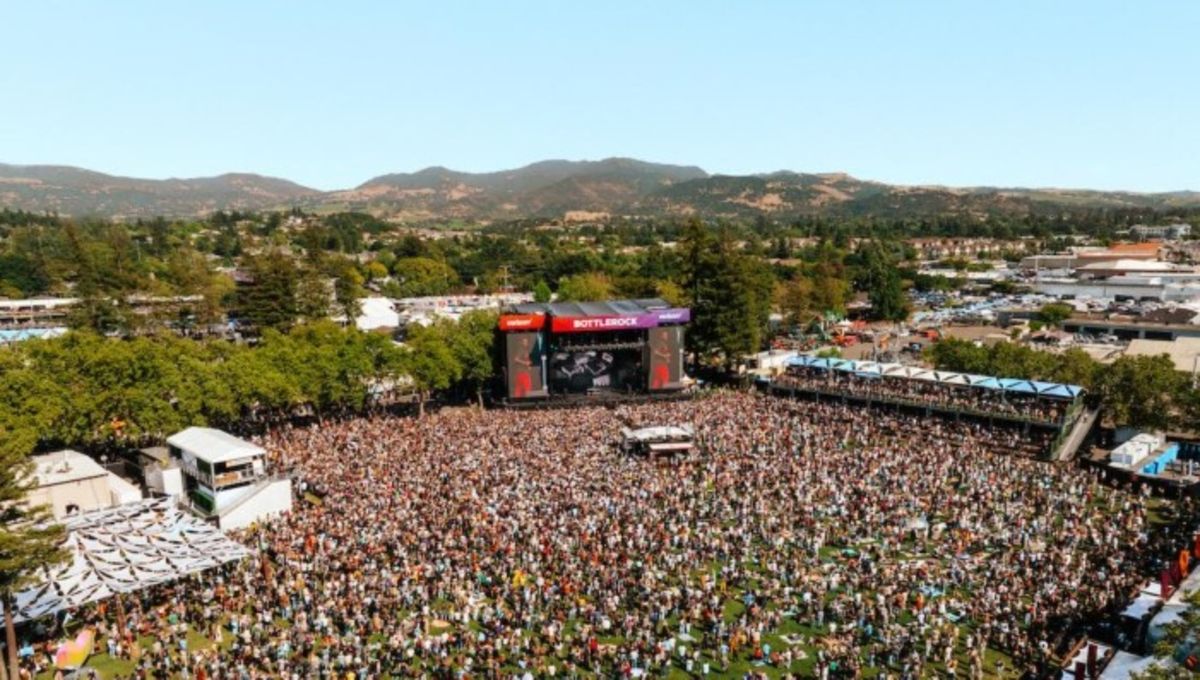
column 803, row 540
column 927, row 392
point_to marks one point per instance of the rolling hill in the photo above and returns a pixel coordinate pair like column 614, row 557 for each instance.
column 549, row 189
column 73, row 191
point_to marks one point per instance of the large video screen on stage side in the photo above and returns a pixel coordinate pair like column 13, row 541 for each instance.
column 525, row 365
column 578, row 371
column 664, row 356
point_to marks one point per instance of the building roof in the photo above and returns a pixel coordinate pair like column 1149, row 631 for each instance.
column 1182, row 351
column 1130, row 248
column 1170, row 315
column 23, row 303
column 11, row 335
column 65, row 466
column 1132, row 265
column 212, row 445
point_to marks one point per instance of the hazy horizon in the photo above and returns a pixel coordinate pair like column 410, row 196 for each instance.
column 1071, row 95
column 410, row 171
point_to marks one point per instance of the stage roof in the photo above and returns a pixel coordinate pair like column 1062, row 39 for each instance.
column 606, row 308
column 125, row 549
column 871, row 368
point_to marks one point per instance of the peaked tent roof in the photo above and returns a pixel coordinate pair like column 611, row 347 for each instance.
column 125, row 549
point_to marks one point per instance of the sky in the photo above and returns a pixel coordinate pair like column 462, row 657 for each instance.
column 1088, row 94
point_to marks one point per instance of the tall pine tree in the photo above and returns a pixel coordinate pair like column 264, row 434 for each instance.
column 28, row 542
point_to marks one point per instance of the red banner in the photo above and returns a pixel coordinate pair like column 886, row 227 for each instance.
column 522, row 322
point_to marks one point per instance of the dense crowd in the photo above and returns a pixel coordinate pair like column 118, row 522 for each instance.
column 953, row 396
column 805, row 540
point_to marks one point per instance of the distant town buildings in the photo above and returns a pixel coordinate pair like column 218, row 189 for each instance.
column 1170, row 232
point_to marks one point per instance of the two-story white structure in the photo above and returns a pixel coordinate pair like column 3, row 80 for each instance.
column 226, row 478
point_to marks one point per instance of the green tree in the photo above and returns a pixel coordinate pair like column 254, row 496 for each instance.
column 430, row 362
column 731, row 295
column 955, row 354
column 315, row 292
column 376, row 270
column 1075, row 367
column 423, row 276
column 586, row 287
column 28, row 542
column 795, row 300
column 671, row 292
column 1055, row 313
column 1142, row 391
column 471, row 343
column 348, row 290
column 268, row 300
column 541, row 292
column 882, row 282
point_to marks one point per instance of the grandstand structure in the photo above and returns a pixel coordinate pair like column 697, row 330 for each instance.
column 1052, row 418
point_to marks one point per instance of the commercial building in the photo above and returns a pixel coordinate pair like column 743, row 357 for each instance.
column 1130, row 266
column 1041, row 263
column 1149, row 250
column 1171, row 232
column 1184, row 352
column 1131, row 329
column 1125, row 287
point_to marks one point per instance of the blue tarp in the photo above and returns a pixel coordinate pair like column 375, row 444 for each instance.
column 29, row 334
column 1017, row 385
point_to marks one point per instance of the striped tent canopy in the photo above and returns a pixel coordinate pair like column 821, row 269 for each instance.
column 876, row 369
column 126, row 549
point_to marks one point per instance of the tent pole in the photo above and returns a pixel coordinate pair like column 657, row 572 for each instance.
column 120, row 617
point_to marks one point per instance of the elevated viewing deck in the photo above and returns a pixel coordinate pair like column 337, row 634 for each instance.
column 1055, row 412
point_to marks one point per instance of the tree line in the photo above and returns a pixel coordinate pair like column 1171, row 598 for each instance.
column 1138, row 391
column 83, row 389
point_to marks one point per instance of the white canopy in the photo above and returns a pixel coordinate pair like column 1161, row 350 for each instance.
column 214, row 446
column 659, row 433
column 125, row 549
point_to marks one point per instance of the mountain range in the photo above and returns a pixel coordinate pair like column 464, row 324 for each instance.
column 574, row 190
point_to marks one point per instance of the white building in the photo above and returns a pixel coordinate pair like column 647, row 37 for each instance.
column 1165, row 288
column 377, row 312
column 71, row 483
column 226, row 478
column 427, row 310
column 1170, row 232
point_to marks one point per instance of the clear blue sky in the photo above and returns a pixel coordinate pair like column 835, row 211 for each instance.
column 1047, row 93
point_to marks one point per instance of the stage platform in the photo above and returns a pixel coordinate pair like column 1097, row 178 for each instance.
column 597, row 399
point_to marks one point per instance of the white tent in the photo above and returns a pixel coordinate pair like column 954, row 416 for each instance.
column 377, row 312
column 125, row 549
